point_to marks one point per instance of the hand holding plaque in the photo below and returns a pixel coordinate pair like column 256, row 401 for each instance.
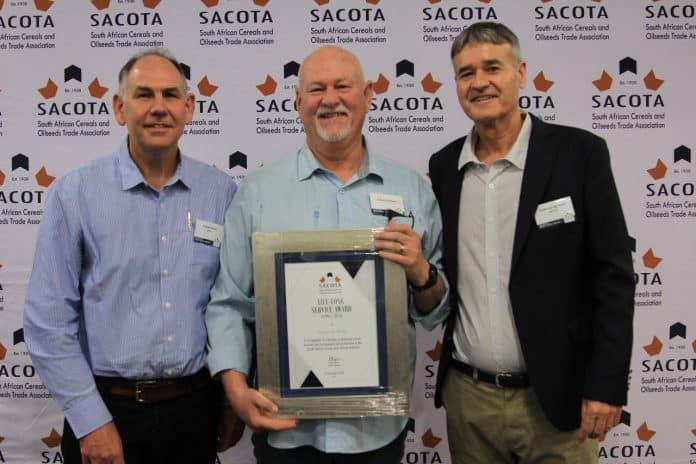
column 331, row 324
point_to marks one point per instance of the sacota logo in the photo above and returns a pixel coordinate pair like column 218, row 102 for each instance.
column 27, row 21
column 406, row 104
column 628, row 103
column 631, row 448
column 442, row 22
column 73, row 110
column 426, row 451
column 339, row 25
column 565, row 21
column 23, row 28
column 276, row 112
column 237, row 165
column 667, row 21
column 670, row 194
column 472, row 12
column 667, row 184
column 126, row 24
column 239, row 26
column 21, row 194
column 206, row 119
column 540, row 102
column 670, row 365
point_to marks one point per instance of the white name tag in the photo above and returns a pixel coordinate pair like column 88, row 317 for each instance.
column 208, row 233
column 382, row 203
column 554, row 212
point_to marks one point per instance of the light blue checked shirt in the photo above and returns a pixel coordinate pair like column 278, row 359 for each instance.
column 297, row 193
column 119, row 288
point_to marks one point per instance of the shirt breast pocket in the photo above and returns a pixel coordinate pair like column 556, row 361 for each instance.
column 205, row 261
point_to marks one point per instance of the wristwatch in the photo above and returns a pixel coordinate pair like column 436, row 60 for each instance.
column 430, row 281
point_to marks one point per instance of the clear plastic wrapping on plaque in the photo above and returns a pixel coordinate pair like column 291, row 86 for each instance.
column 331, row 325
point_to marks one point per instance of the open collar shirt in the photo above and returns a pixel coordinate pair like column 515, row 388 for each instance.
column 297, row 193
column 119, row 287
column 485, row 335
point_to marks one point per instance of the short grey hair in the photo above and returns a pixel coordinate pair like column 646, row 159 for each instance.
column 487, row 32
column 161, row 52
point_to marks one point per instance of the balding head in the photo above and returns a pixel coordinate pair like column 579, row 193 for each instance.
column 332, row 98
column 330, row 54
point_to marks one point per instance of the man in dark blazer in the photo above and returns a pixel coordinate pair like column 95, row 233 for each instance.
column 537, row 347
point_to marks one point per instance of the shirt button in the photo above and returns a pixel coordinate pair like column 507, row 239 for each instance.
column 170, row 338
column 165, row 273
column 168, row 372
column 491, row 186
column 162, row 205
column 167, row 305
column 163, row 238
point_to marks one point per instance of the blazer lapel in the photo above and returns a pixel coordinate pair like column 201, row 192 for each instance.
column 453, row 185
column 537, row 169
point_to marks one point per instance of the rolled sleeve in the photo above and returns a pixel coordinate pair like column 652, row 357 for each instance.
column 431, row 241
column 230, row 314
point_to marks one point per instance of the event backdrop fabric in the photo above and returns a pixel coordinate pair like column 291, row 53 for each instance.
column 621, row 68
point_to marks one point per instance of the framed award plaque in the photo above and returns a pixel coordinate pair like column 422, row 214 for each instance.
column 331, row 325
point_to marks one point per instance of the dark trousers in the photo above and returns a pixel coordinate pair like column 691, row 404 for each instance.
column 183, row 430
column 391, row 453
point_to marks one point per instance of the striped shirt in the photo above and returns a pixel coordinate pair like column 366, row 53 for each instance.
column 119, row 287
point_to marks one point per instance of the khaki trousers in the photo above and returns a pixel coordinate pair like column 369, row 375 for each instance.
column 487, row 424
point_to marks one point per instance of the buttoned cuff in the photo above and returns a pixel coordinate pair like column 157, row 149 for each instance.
column 87, row 414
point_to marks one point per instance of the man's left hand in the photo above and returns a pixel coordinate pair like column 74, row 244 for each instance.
column 597, row 419
column 401, row 244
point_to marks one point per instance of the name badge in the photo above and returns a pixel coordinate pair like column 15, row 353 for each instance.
column 555, row 212
column 382, row 203
column 208, row 233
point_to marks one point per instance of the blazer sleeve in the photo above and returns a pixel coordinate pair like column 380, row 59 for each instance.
column 611, row 280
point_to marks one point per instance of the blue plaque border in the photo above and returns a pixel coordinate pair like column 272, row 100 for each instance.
column 344, row 256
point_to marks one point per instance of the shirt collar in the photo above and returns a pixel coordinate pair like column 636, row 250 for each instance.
column 132, row 177
column 308, row 165
column 517, row 154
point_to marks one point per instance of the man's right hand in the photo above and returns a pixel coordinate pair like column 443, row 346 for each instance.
column 103, row 445
column 252, row 406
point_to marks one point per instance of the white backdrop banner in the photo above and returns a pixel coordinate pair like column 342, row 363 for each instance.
column 620, row 68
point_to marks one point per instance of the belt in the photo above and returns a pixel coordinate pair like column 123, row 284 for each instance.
column 153, row 390
column 503, row 379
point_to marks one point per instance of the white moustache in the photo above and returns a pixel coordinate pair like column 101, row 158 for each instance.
column 339, row 109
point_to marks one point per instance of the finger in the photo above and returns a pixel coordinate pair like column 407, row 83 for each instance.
column 395, row 247
column 386, row 244
column 601, row 425
column 582, row 435
column 263, row 404
column 587, row 422
column 616, row 418
column 394, row 236
column 393, row 225
column 276, row 424
column 392, row 256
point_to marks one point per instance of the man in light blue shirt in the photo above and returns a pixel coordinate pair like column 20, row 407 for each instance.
column 325, row 185
column 114, row 315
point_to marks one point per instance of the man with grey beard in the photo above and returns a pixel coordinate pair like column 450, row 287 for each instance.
column 326, row 184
